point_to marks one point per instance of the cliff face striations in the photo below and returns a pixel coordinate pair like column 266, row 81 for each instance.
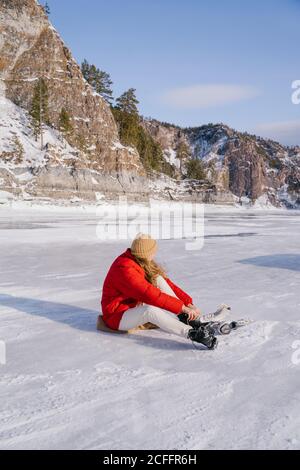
column 31, row 49
column 246, row 165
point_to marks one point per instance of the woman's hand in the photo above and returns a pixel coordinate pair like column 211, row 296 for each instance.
column 193, row 307
column 192, row 312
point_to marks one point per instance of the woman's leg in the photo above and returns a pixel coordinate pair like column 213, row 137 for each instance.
column 147, row 313
column 162, row 284
column 165, row 320
column 132, row 318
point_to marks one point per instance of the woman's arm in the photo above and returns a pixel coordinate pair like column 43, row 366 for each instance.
column 133, row 284
column 189, row 307
column 186, row 299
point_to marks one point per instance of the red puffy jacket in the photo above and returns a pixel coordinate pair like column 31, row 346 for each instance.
column 125, row 287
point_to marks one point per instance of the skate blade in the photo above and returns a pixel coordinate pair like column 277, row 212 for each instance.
column 225, row 329
column 214, row 345
column 241, row 323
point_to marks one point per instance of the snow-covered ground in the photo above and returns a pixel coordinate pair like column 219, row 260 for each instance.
column 16, row 137
column 65, row 385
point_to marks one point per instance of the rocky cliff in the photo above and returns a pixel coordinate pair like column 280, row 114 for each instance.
column 90, row 163
column 31, row 49
column 247, row 166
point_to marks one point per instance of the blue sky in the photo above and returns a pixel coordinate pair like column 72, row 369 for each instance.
column 195, row 61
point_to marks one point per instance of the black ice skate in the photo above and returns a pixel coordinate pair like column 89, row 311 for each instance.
column 205, row 336
column 220, row 315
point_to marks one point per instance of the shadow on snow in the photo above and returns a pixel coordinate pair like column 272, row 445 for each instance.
column 85, row 320
column 76, row 317
column 280, row 261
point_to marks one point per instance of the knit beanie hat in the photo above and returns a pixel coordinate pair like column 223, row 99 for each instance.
column 143, row 246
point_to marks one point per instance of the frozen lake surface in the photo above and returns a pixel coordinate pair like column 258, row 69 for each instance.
column 65, row 385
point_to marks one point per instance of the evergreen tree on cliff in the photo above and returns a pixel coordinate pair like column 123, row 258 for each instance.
column 127, row 117
column 46, row 8
column 182, row 153
column 65, row 123
column 127, row 102
column 39, row 109
column 133, row 134
column 98, row 79
column 195, row 170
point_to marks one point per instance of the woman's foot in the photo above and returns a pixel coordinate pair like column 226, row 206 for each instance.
column 184, row 318
column 203, row 335
column 220, row 315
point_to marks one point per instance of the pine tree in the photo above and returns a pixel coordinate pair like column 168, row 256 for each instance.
column 104, row 84
column 182, row 153
column 195, row 170
column 133, row 134
column 150, row 151
column 98, row 79
column 127, row 117
column 65, row 123
column 85, row 69
column 39, row 109
column 46, row 8
column 128, row 102
column 128, row 125
column 19, row 151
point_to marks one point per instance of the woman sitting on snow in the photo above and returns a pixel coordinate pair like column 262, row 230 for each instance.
column 137, row 291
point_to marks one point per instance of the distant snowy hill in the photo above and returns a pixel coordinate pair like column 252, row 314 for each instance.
column 247, row 166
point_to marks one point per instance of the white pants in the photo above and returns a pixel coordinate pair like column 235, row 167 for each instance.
column 165, row 320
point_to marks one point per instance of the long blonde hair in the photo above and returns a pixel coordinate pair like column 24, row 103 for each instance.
column 151, row 268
